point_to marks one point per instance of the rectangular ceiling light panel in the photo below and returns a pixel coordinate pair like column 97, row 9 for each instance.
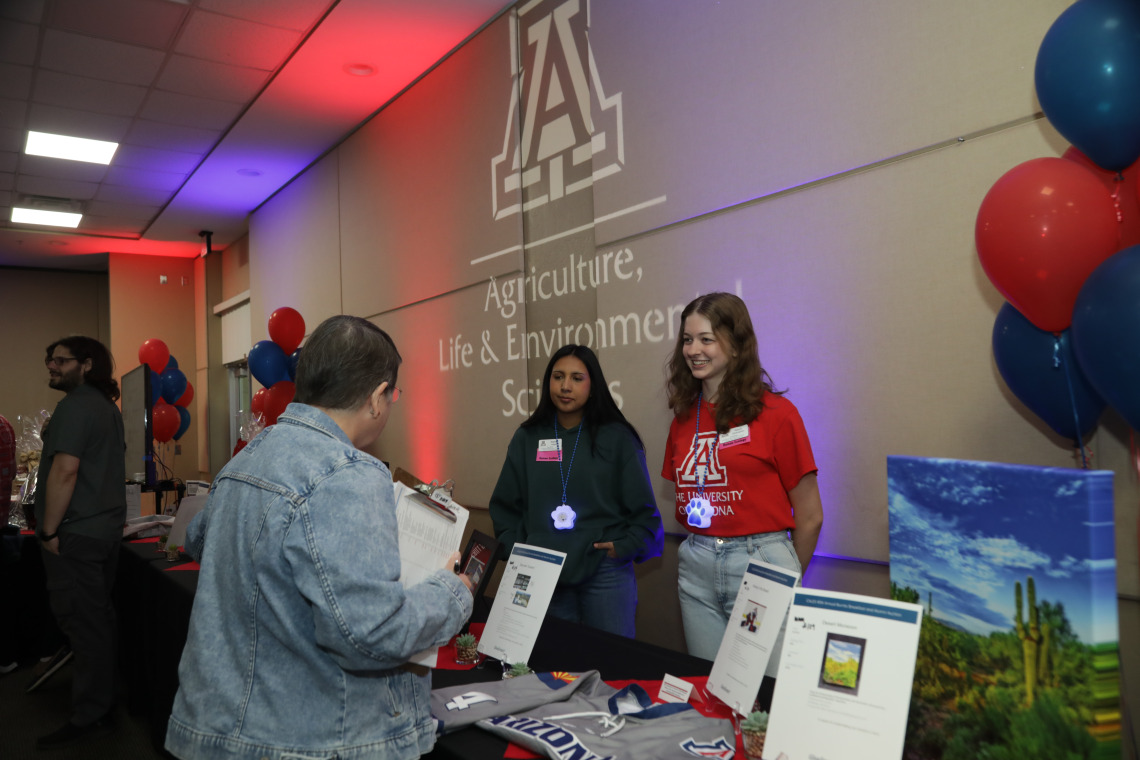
column 72, row 148
column 47, row 218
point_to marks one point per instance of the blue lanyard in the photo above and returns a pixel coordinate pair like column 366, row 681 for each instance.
column 566, row 478
column 697, row 451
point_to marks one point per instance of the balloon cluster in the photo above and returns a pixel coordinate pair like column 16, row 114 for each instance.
column 273, row 363
column 1060, row 237
column 170, row 391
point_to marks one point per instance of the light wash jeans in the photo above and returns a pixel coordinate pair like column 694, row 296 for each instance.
column 709, row 571
column 607, row 600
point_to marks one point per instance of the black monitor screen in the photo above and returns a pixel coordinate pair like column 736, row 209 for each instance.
column 135, row 403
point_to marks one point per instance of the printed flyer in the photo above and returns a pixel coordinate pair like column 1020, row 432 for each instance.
column 843, row 689
column 524, row 594
column 760, row 609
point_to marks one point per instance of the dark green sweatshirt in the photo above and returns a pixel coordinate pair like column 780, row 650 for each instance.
column 608, row 488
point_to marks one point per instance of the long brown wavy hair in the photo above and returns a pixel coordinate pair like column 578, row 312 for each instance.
column 740, row 398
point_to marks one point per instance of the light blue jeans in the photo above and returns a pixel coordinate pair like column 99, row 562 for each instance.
column 607, row 600
column 709, row 572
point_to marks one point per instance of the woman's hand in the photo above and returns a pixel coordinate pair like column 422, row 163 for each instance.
column 608, row 546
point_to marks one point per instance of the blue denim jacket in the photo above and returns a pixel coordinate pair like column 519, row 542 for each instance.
column 300, row 624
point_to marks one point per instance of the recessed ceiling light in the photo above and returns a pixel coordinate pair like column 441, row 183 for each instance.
column 360, row 69
column 46, row 218
column 72, row 148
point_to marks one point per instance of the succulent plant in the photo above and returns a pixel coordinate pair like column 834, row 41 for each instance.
column 756, row 722
column 519, row 669
column 466, row 640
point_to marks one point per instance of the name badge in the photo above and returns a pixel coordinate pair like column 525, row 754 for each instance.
column 735, row 437
column 549, row 450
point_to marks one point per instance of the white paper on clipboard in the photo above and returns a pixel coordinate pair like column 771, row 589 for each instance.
column 427, row 539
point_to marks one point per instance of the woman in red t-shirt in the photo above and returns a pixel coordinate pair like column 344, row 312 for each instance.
column 742, row 465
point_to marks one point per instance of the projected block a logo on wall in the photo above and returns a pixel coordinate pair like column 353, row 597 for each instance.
column 571, row 133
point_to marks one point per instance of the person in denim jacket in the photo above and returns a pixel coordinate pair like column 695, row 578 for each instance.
column 301, row 629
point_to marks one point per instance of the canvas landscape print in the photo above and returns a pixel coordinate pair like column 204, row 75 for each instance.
column 1018, row 655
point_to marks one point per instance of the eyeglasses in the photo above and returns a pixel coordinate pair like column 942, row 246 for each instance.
column 396, row 394
column 58, row 361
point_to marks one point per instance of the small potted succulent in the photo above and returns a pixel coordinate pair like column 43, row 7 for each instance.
column 465, row 650
column 754, row 728
column 517, row 669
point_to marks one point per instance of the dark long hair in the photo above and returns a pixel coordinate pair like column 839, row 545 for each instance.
column 101, row 376
column 740, row 398
column 600, row 408
column 343, row 361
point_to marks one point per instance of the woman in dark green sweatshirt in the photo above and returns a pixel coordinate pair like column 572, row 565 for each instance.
column 575, row 481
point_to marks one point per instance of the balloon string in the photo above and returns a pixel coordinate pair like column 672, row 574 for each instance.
column 1072, row 401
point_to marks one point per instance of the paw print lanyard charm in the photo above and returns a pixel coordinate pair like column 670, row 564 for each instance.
column 699, row 510
column 564, row 515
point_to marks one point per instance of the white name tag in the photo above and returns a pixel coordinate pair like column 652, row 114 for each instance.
column 735, row 437
column 549, row 450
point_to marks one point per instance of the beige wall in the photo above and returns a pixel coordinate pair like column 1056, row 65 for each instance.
column 824, row 160
column 143, row 307
column 40, row 307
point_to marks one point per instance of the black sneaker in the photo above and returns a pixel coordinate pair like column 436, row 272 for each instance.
column 71, row 733
column 45, row 669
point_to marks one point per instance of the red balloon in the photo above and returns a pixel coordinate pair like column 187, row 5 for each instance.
column 165, row 420
column 257, row 403
column 187, row 397
column 287, row 329
column 277, row 399
column 1041, row 230
column 1125, row 190
column 154, row 354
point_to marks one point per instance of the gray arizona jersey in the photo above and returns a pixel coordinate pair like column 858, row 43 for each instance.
column 592, row 721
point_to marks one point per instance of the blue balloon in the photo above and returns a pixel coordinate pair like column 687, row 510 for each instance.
column 155, row 387
column 184, row 425
column 1042, row 371
column 268, row 363
column 1088, row 79
column 171, row 363
column 173, row 384
column 1106, row 332
column 293, row 359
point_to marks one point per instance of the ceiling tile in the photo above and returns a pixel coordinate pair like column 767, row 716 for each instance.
column 7, row 180
column 242, row 43
column 11, row 140
column 111, row 226
column 13, row 114
column 152, row 134
column 138, row 195
column 171, row 108
column 209, row 79
column 15, row 81
column 6, row 200
column 150, row 23
column 85, row 94
column 131, row 211
column 121, row 175
column 100, row 59
column 59, row 168
column 68, row 121
column 8, row 160
column 139, row 157
column 30, row 11
column 18, row 43
column 56, row 188
column 290, row 14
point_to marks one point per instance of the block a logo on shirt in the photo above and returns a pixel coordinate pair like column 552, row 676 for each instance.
column 705, row 454
column 571, row 132
column 720, row 748
column 463, row 701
